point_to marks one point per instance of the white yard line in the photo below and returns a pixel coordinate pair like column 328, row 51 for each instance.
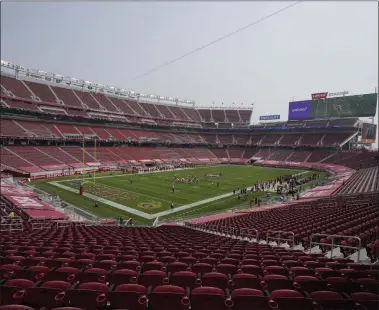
column 140, row 213
column 137, row 193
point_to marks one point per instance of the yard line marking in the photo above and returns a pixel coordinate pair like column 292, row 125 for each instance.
column 106, row 201
column 141, row 213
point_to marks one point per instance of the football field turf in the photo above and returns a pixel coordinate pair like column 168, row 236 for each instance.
column 151, row 194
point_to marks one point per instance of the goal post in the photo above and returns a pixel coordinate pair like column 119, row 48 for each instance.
column 92, row 178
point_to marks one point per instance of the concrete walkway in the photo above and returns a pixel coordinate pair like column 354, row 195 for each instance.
column 138, row 212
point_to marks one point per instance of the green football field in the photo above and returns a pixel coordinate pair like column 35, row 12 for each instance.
column 146, row 196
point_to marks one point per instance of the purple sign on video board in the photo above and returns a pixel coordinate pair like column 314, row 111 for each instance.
column 299, row 109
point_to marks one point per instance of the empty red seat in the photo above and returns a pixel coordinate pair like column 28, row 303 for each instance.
column 248, row 298
column 185, row 279
column 313, row 264
column 201, row 268
column 215, row 279
column 7, row 271
column 270, row 262
column 252, row 269
column 15, row 307
column 14, row 259
column 250, row 262
column 153, row 278
column 14, row 291
column 343, row 260
column 132, row 265
column 154, row 266
column 292, row 263
column 301, row 271
column 230, row 261
column 122, row 276
column 121, row 258
column 276, row 270
column 209, row 298
column 105, row 264
column 167, row 259
column 57, row 262
column 208, row 260
column 305, row 258
column 251, row 256
column 176, row 266
column 90, row 295
column 354, row 274
column 332, row 301
column 327, row 272
column 92, row 275
column 334, row 265
column 34, row 261
column 67, row 308
column 34, row 273
column 90, row 256
column 309, row 284
column 369, row 284
column 273, row 282
column 100, row 257
column 188, row 260
column 168, row 297
column 343, row 285
column 83, row 263
column 62, row 274
column 181, row 254
column 227, row 269
column 368, row 300
column 46, row 295
column 128, row 296
column 246, row 280
column 356, row 266
column 146, row 258
column 373, row 273
column 289, row 300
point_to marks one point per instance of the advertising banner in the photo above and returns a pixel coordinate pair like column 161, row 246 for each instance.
column 324, row 95
column 346, row 106
column 299, row 110
column 368, row 133
column 269, row 117
column 319, row 96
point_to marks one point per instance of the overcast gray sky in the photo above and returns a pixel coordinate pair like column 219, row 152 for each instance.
column 312, row 47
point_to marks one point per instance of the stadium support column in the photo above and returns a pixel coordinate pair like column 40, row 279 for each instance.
column 377, row 127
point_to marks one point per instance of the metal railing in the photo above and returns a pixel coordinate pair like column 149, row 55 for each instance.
column 37, row 224
column 279, row 236
column 11, row 224
column 333, row 244
column 62, row 224
column 250, row 233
